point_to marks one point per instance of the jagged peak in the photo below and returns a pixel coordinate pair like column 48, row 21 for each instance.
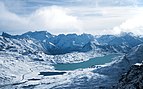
column 4, row 34
column 37, row 32
column 126, row 34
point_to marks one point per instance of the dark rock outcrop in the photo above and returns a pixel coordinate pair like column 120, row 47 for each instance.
column 133, row 79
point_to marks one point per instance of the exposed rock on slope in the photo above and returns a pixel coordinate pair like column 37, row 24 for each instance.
column 133, row 79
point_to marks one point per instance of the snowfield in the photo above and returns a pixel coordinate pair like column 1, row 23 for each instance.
column 16, row 70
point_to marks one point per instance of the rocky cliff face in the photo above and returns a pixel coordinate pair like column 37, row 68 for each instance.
column 133, row 79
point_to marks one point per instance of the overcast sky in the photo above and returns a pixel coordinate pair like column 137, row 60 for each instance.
column 71, row 16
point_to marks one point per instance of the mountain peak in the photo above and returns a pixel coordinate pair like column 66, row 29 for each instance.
column 38, row 35
column 126, row 34
column 4, row 34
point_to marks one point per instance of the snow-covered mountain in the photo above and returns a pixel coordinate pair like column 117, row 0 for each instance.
column 24, row 57
column 61, row 44
column 120, row 43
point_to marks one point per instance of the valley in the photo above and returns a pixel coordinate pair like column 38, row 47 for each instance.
column 30, row 62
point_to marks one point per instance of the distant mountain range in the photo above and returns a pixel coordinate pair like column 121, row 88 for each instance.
column 61, row 44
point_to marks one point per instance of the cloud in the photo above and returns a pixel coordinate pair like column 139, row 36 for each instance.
column 53, row 19
column 71, row 19
column 109, row 19
column 10, row 21
column 134, row 24
column 56, row 20
column 26, row 6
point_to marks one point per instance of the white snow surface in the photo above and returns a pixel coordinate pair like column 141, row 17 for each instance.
column 21, row 60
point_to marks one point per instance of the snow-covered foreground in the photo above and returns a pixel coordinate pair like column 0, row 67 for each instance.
column 16, row 70
column 21, row 72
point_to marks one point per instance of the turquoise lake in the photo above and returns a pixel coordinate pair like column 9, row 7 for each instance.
column 86, row 64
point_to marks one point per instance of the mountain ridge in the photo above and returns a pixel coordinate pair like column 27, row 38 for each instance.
column 61, row 44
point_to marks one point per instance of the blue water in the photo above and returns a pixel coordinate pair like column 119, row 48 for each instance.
column 51, row 73
column 86, row 64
